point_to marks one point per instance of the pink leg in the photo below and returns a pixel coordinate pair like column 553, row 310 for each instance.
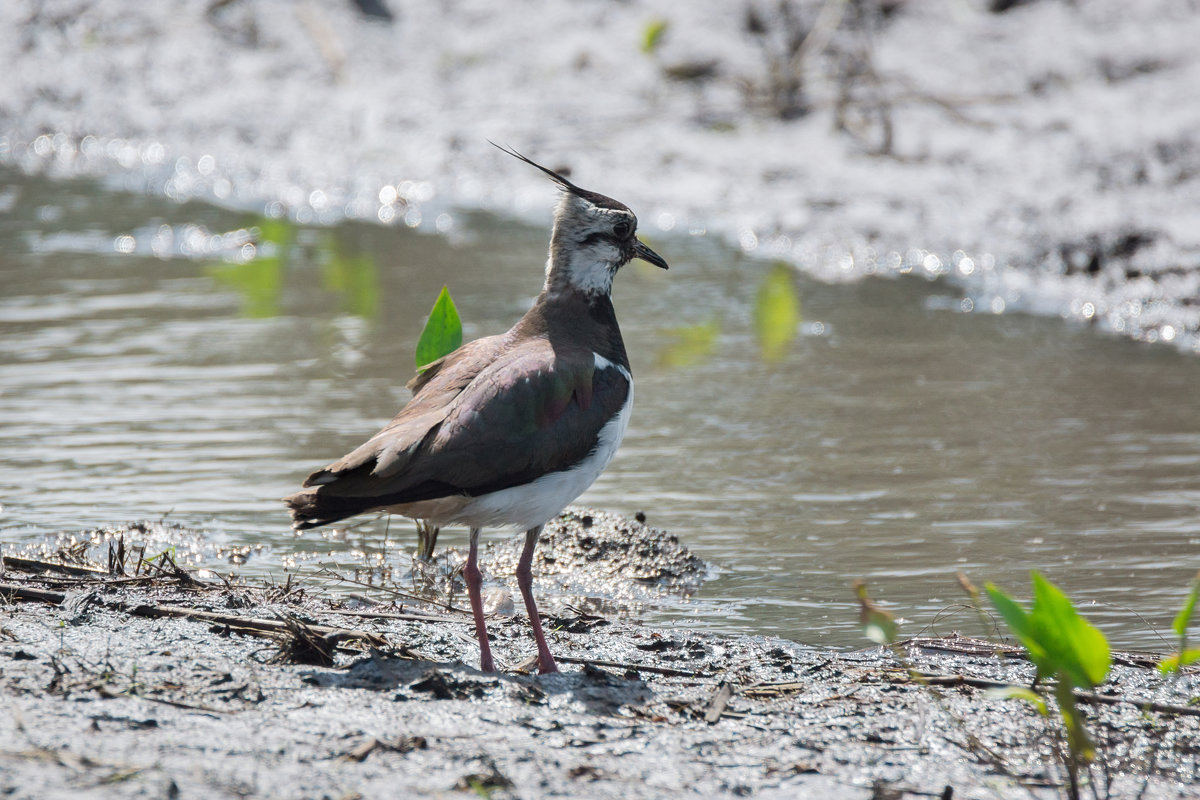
column 525, row 581
column 474, row 581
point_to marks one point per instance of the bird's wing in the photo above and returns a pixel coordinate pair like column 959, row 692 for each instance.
column 531, row 411
column 434, row 391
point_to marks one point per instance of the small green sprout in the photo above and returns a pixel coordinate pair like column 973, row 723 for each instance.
column 879, row 625
column 441, row 336
column 443, row 331
column 1062, row 645
column 1177, row 661
column 776, row 312
column 652, row 35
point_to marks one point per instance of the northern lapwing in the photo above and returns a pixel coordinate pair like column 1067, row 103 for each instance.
column 508, row 429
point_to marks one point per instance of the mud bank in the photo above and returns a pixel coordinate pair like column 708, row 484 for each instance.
column 163, row 685
column 1040, row 155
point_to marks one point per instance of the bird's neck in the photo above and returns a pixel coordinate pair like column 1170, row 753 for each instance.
column 568, row 318
column 582, row 269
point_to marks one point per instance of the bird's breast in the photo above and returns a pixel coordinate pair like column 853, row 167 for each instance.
column 534, row 503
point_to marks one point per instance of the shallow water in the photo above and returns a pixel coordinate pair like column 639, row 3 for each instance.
column 162, row 359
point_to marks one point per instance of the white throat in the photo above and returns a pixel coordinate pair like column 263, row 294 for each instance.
column 589, row 270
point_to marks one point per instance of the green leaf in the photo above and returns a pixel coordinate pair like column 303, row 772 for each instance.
column 690, row 344
column 1078, row 741
column 1058, row 640
column 354, row 277
column 1177, row 661
column 1021, row 626
column 776, row 312
column 278, row 231
column 1078, row 647
column 260, row 280
column 880, row 629
column 879, row 625
column 652, row 35
column 443, row 331
column 1184, row 617
column 1064, row 645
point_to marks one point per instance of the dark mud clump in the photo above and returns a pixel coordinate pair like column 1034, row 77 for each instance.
column 603, row 561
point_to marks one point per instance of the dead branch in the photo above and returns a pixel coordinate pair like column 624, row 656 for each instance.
column 592, row 662
column 1084, row 697
column 249, row 624
column 33, row 565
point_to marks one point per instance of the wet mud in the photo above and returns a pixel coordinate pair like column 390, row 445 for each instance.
column 126, row 681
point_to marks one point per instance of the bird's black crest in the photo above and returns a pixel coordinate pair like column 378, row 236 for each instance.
column 595, row 198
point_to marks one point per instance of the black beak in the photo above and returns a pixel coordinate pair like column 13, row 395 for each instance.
column 646, row 254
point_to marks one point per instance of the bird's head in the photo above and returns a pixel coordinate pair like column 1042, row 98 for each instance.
column 593, row 237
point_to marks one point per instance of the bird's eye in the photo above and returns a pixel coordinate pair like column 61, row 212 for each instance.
column 622, row 229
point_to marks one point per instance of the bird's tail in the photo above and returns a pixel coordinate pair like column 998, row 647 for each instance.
column 312, row 508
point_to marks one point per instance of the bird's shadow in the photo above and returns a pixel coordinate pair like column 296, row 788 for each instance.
column 599, row 691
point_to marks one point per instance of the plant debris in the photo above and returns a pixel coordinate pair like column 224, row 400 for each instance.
column 392, row 705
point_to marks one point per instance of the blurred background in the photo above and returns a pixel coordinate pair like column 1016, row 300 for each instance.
column 934, row 302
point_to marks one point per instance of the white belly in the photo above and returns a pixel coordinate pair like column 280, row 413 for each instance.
column 538, row 502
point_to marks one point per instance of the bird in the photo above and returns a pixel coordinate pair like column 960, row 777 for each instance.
column 507, row 430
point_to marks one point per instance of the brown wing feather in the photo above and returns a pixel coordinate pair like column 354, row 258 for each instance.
column 536, row 411
column 529, row 411
column 434, row 390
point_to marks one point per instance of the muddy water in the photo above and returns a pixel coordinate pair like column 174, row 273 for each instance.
column 193, row 362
